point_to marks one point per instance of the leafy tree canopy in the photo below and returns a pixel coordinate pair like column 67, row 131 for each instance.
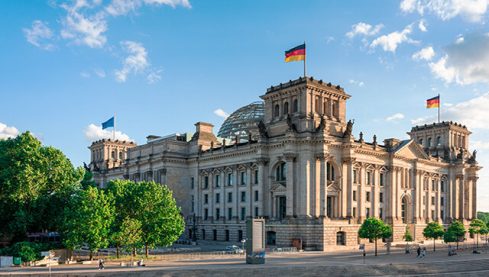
column 35, row 182
column 433, row 230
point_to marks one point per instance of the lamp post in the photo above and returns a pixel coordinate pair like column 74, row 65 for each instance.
column 242, row 243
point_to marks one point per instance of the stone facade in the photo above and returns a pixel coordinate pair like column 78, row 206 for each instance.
column 305, row 173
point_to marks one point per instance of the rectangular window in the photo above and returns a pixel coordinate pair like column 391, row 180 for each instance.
column 355, row 176
column 192, row 183
column 206, row 214
column 442, row 214
column 256, row 177
column 442, row 201
column 206, row 199
column 367, row 212
column 381, row 213
column 230, row 213
column 218, row 213
column 243, row 196
column 218, row 198
column 432, row 200
column 256, row 212
column 367, row 196
column 442, row 186
column 354, row 212
column 354, row 195
column 381, row 197
column 243, row 213
column 243, row 178
column 217, row 179
column 432, row 214
column 369, row 178
column 193, row 204
column 433, row 185
column 230, row 179
column 256, row 195
column 230, row 197
column 382, row 176
column 206, row 182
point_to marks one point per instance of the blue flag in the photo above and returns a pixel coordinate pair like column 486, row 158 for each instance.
column 108, row 123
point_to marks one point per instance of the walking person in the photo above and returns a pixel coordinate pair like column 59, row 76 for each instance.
column 423, row 252
column 419, row 252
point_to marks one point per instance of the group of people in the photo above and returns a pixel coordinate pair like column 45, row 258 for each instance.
column 101, row 263
column 421, row 252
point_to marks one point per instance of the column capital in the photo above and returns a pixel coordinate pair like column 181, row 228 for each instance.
column 290, row 157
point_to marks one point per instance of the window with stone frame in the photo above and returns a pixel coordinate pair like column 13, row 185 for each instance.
column 442, row 186
column 442, row 201
column 367, row 196
column 276, row 112
column 281, row 172
column 295, row 107
column 217, row 180
column 206, row 198
column 243, row 178
column 230, row 179
column 243, row 213
column 381, row 213
column 433, row 185
column 381, row 197
column 243, row 196
column 330, row 172
column 354, row 195
column 432, row 200
column 355, row 176
column 192, row 181
column 256, row 212
column 382, row 179
column 206, row 214
column 354, row 212
column 218, row 198
column 367, row 212
column 286, row 108
column 256, row 195
column 230, row 213
column 369, row 177
column 256, row 176
column 206, row 182
column 230, row 197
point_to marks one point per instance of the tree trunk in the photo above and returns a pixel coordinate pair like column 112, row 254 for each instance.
column 477, row 242
column 375, row 247
column 457, row 243
column 117, row 251
column 146, row 249
column 134, row 251
column 91, row 254
column 434, row 248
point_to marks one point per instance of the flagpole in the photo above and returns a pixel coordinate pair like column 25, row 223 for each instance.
column 113, row 130
column 439, row 107
column 305, row 55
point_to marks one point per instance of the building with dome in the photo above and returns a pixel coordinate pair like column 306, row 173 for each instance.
column 293, row 159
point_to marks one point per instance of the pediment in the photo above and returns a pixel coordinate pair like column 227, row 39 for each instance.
column 278, row 188
column 411, row 150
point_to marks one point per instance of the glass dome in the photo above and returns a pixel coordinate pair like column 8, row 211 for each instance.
column 243, row 121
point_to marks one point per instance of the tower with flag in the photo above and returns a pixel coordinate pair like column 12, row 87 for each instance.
column 110, row 123
column 295, row 54
column 434, row 102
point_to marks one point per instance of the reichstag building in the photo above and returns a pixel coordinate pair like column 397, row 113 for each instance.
column 294, row 160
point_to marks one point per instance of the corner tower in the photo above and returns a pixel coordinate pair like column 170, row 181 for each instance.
column 107, row 154
column 304, row 104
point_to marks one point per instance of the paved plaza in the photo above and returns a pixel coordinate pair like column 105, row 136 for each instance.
column 288, row 264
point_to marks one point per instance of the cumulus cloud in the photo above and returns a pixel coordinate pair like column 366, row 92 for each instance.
column 473, row 113
column 94, row 132
column 357, row 83
column 426, row 54
column 422, row 26
column 471, row 10
column 135, row 62
column 466, row 61
column 390, row 42
column 221, row 113
column 123, row 7
column 39, row 34
column 154, row 76
column 395, row 117
column 7, row 131
column 364, row 29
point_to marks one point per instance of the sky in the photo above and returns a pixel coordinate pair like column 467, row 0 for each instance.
column 163, row 65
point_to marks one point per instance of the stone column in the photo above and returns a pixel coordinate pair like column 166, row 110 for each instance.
column 361, row 195
column 397, row 199
column 428, row 200
column 438, row 201
column 265, row 188
column 456, row 198
column 323, row 192
column 474, row 198
column 347, row 189
column 290, row 158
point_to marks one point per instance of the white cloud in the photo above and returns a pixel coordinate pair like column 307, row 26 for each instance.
column 364, row 29
column 84, row 30
column 355, row 82
column 154, row 76
column 123, row 7
column 480, row 145
column 395, row 117
column 94, row 132
column 391, row 41
column 422, row 26
column 466, row 61
column 7, row 131
column 100, row 73
column 471, row 10
column 426, row 54
column 85, row 74
column 135, row 62
column 473, row 113
column 221, row 113
column 38, row 34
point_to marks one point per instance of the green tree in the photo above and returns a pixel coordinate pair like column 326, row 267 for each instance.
column 128, row 235
column 484, row 216
column 433, row 231
column 154, row 206
column 35, row 182
column 374, row 229
column 88, row 218
column 455, row 232
column 477, row 227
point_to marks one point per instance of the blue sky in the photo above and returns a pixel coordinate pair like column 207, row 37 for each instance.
column 162, row 65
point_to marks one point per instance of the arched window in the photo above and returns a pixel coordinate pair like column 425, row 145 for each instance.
column 340, row 238
column 296, row 106
column 113, row 154
column 404, row 209
column 317, row 105
column 429, row 142
column 420, row 142
column 281, row 172
column 438, row 140
column 277, row 111
column 286, row 108
column 331, row 173
column 120, row 155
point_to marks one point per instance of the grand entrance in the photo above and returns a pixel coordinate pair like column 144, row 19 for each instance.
column 281, row 207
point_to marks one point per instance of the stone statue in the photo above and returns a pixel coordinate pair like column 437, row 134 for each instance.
column 262, row 129
column 349, row 128
column 361, row 137
column 321, row 125
column 474, row 155
column 290, row 124
column 87, row 168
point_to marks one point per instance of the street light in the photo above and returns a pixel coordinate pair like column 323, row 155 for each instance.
column 242, row 243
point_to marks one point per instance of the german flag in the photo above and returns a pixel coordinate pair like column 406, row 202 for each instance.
column 296, row 54
column 433, row 102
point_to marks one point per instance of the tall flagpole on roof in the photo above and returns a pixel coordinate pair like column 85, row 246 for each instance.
column 113, row 129
column 439, row 107
column 305, row 54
